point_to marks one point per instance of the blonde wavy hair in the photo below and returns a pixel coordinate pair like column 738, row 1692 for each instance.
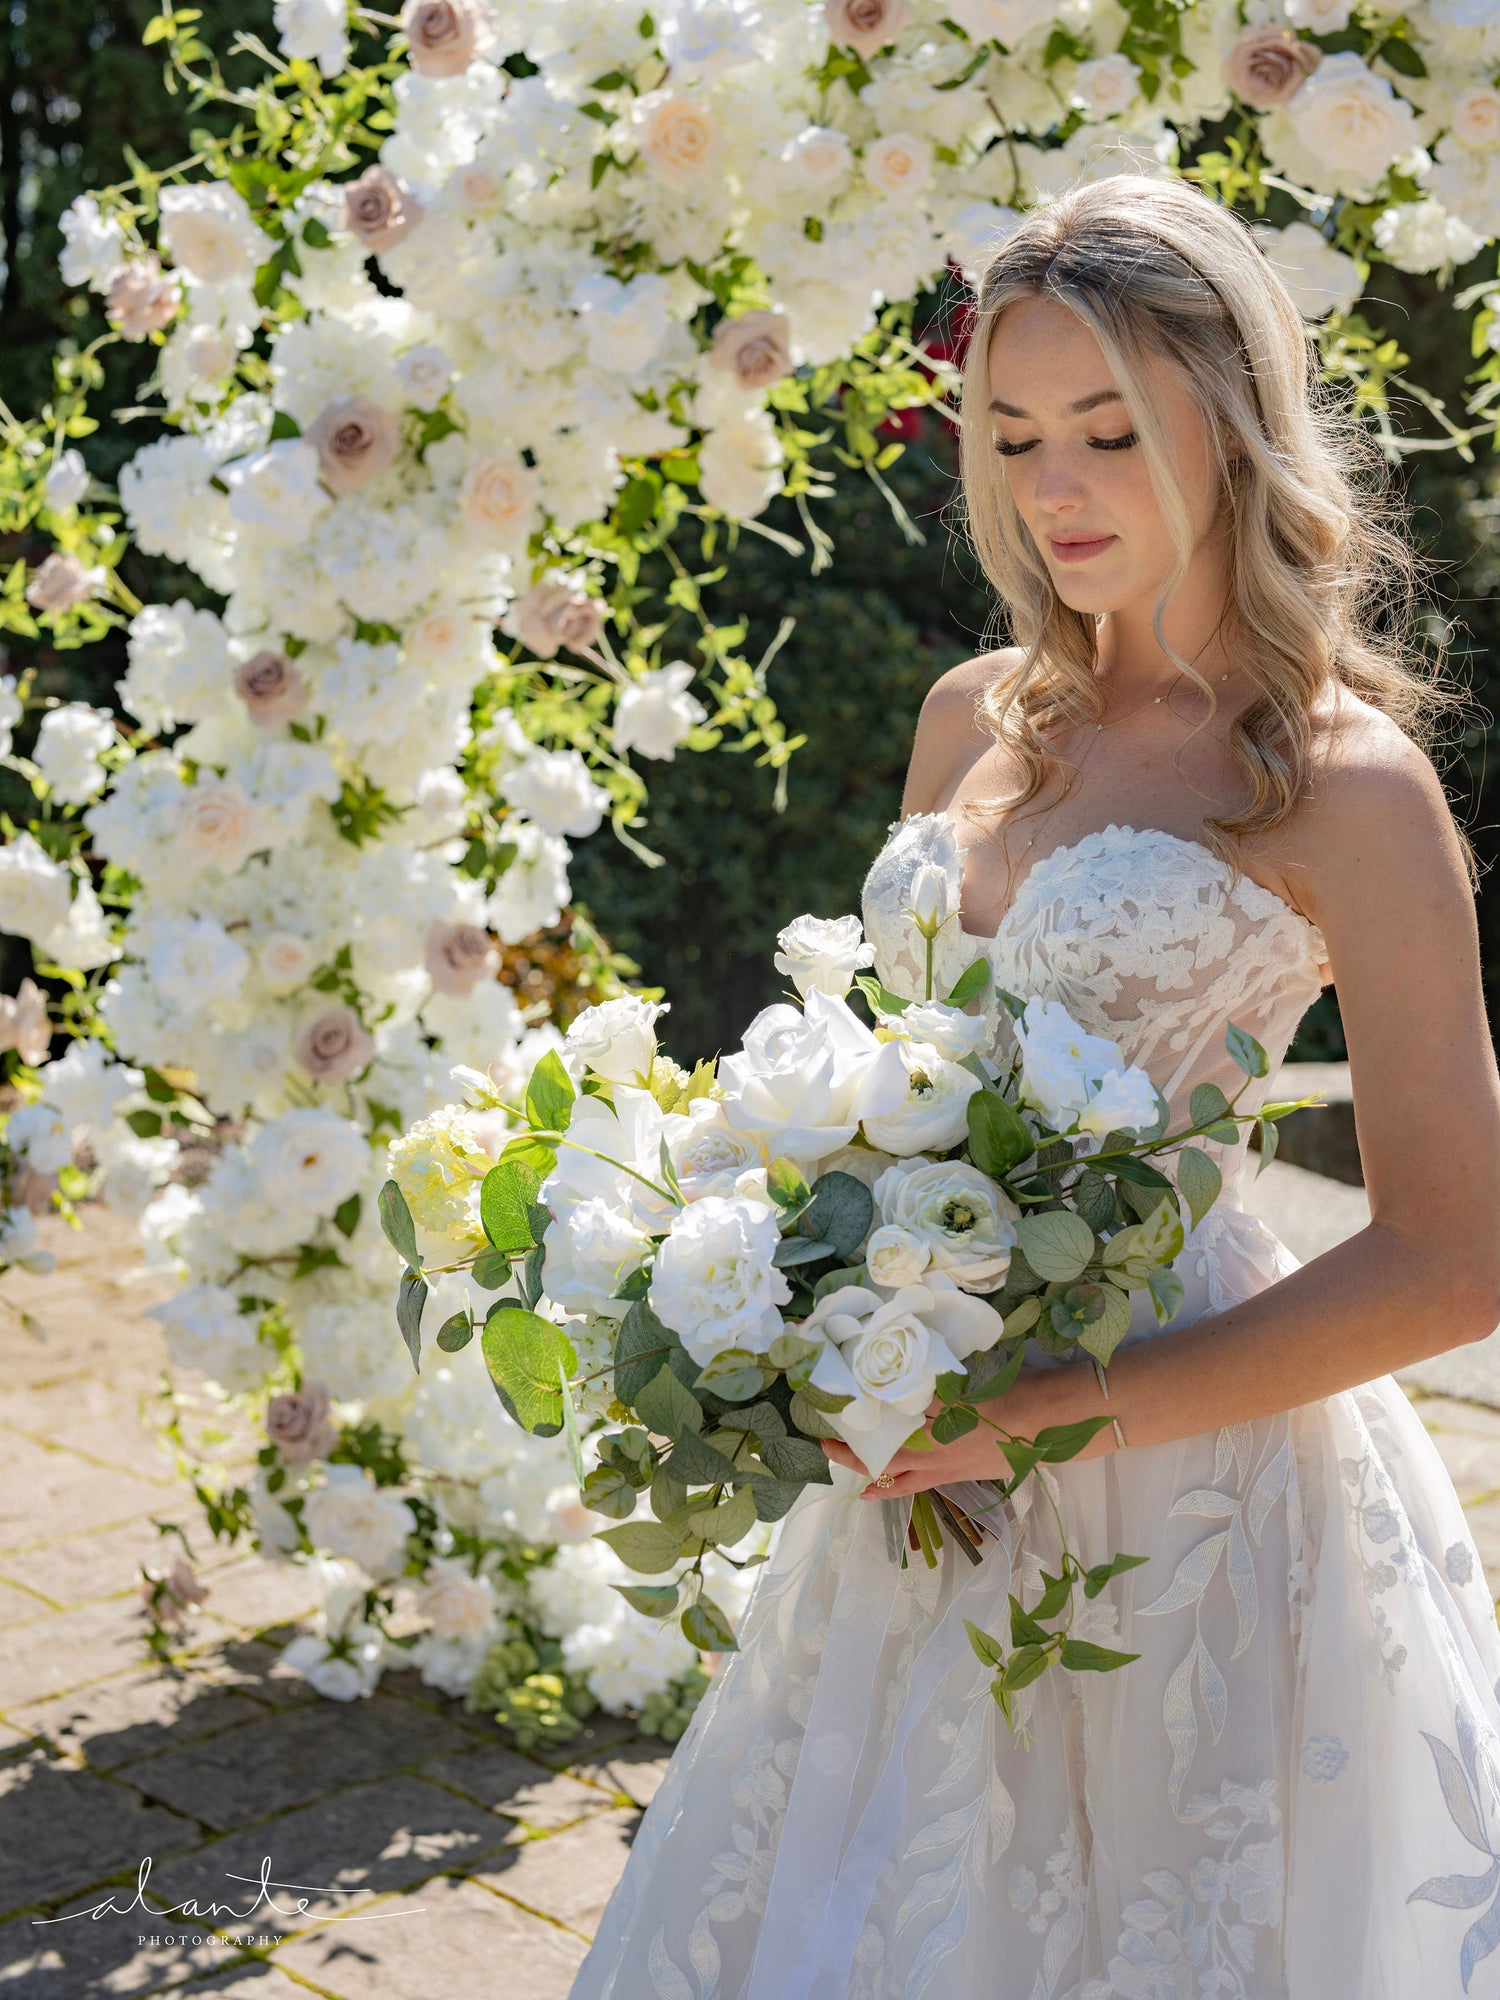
column 1323, row 582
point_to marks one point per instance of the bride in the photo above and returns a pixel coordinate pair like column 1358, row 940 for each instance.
column 1196, row 793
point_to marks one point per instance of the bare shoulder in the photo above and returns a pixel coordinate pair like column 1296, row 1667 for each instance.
column 1375, row 812
column 951, row 733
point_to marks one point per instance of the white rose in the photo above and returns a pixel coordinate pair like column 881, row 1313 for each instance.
column 1473, row 116
column 967, row 1223
column 87, row 1088
column 426, row 374
column 739, row 465
column 656, row 712
column 803, row 1081
column 1320, row 279
column 94, row 247
column 591, row 1249
column 714, row 1283
column 1062, row 1066
column 933, row 898
column 69, row 745
column 554, row 790
column 498, row 500
column 1123, row 1100
column 898, row 163
column 886, row 1355
column 624, row 323
column 314, row 31
column 354, row 1517
column 218, row 826
column 895, row 1257
column 823, row 952
column 82, row 941
column 33, row 889
column 933, row 1112
column 531, row 893
column 11, row 711
column 278, row 491
column 67, row 481
column 213, row 238
column 1351, row 120
column 309, row 1160
column 616, row 1039
column 1105, row 86
column 819, row 156
column 712, row 1158
column 206, row 1331
column 286, row 961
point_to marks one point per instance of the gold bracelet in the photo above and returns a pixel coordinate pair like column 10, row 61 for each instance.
column 1104, row 1391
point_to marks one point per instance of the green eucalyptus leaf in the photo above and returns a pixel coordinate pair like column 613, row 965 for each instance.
column 504, row 1196
column 647, row 1546
column 1103, row 1335
column 1057, row 1245
column 411, row 1296
column 607, row 1491
column 1198, row 1181
column 1167, row 1293
column 1080, row 1657
column 455, row 1334
column 705, row 1626
column 652, row 1600
column 810, row 1419
column 491, row 1270
column 839, row 1214
column 1246, row 1052
column 550, row 1095
column 642, row 1346
column 797, row 1458
column 400, row 1230
column 523, row 1353
column 667, row 1406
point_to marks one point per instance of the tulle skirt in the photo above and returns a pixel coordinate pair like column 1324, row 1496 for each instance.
column 1292, row 1794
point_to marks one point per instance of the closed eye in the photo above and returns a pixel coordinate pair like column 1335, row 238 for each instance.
column 1099, row 444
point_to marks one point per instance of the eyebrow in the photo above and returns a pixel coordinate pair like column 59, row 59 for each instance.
column 1077, row 409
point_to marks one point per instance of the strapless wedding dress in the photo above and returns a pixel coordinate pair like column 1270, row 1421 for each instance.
column 1292, row 1794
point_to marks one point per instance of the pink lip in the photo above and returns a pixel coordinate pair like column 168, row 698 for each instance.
column 1079, row 551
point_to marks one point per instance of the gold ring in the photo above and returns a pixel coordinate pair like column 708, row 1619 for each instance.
column 883, row 1480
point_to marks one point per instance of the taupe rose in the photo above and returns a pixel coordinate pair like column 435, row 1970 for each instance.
column 356, row 440
column 271, row 688
column 445, row 35
column 142, row 299
column 334, row 1047
column 459, row 956
column 1269, row 64
column 865, row 25
column 61, row 582
column 298, row 1424
column 380, row 210
column 550, row 615
column 755, row 348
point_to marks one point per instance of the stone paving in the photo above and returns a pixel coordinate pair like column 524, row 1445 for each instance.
column 431, row 1860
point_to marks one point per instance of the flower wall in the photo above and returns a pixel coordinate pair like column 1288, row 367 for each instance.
column 465, row 321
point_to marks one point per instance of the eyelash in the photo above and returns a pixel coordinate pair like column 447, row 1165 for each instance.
column 1100, row 444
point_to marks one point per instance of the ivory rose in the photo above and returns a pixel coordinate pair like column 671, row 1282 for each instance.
column 899, row 163
column 218, row 825
column 498, row 499
column 380, row 210
column 142, row 299
column 271, row 688
column 356, row 440
column 1268, row 64
column 678, row 138
column 334, row 1047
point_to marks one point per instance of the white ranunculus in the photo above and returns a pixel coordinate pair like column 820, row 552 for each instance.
column 591, row 1249
column 67, row 481
column 69, row 749
column 213, row 238
column 1061, row 1066
column 823, row 952
column 206, row 1331
column 1351, row 120
column 39, row 1133
column 656, row 712
column 895, row 1257
column 616, row 1039
column 354, row 1517
column 33, row 890
column 1122, row 1100
column 278, row 492
column 311, row 1161
column 967, row 1223
column 886, row 1355
column 1320, row 279
column 933, row 1112
column 803, row 1081
column 554, row 790
column 740, row 465
column 192, row 961
column 714, row 1283
column 314, row 31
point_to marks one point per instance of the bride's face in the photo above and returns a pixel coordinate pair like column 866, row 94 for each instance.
column 1073, row 463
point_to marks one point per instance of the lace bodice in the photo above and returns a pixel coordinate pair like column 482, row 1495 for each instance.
column 1144, row 936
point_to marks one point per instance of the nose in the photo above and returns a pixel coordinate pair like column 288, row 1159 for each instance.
column 1059, row 484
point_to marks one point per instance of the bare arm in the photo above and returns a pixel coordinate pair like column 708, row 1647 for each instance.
column 1384, row 879
column 949, row 737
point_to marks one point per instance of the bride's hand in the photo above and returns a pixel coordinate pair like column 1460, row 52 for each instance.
column 1022, row 1411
